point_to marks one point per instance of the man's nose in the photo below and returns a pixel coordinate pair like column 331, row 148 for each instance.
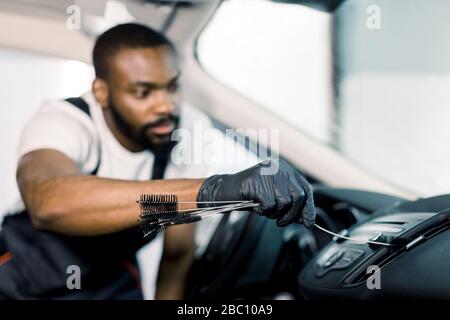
column 163, row 103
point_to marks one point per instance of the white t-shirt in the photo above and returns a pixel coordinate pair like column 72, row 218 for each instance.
column 201, row 152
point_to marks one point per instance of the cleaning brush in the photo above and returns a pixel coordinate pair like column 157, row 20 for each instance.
column 158, row 212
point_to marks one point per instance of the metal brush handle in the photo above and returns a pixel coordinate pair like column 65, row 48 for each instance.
column 351, row 238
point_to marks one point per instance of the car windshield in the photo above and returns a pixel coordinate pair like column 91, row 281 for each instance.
column 370, row 80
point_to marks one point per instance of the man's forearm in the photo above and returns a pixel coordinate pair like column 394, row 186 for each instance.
column 88, row 205
column 172, row 277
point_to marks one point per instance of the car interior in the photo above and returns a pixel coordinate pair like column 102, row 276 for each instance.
column 357, row 90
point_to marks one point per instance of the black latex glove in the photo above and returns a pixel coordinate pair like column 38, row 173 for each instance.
column 284, row 195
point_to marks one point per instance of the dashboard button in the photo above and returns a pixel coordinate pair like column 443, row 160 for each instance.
column 343, row 263
column 339, row 260
column 349, row 257
column 331, row 260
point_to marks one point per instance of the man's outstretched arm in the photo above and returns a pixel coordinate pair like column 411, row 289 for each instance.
column 60, row 198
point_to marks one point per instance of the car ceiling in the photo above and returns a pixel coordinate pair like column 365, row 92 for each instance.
column 323, row 5
column 34, row 19
column 156, row 13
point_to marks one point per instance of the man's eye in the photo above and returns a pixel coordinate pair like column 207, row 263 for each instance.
column 172, row 87
column 140, row 94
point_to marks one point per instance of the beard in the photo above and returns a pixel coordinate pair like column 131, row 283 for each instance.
column 160, row 145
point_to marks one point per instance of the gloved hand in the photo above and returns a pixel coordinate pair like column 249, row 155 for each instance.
column 284, row 195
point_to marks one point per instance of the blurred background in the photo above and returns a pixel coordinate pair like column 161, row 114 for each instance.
column 358, row 88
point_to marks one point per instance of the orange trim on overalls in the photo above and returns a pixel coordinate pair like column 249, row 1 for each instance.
column 5, row 258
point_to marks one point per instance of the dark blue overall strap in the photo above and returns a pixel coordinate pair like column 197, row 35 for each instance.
column 83, row 106
column 80, row 104
column 159, row 167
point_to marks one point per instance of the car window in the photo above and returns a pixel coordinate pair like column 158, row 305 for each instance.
column 276, row 54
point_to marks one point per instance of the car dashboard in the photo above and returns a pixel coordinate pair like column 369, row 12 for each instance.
column 249, row 257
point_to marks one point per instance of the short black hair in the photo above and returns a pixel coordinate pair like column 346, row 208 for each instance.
column 124, row 36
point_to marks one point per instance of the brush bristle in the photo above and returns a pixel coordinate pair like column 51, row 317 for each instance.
column 156, row 209
column 159, row 212
column 156, row 206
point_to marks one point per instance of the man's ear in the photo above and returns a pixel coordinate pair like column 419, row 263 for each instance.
column 100, row 90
